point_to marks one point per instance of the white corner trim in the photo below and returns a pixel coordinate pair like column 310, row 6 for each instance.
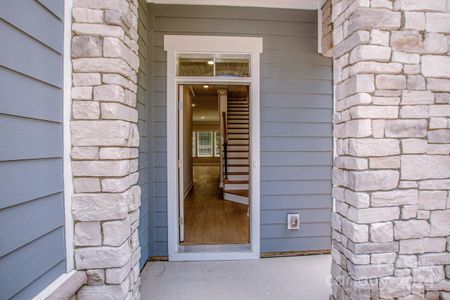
column 54, row 285
column 67, row 140
column 221, row 44
column 288, row 4
column 174, row 45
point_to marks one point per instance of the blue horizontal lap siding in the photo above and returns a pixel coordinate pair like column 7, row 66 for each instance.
column 32, row 247
column 145, row 234
column 296, row 115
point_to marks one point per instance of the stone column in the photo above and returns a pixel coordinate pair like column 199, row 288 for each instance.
column 391, row 175
column 105, row 144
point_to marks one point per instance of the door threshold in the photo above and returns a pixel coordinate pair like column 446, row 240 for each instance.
column 214, row 252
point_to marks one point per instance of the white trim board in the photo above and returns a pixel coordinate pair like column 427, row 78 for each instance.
column 214, row 45
column 67, row 110
column 287, row 4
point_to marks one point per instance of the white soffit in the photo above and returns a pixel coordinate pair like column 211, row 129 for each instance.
column 289, row 4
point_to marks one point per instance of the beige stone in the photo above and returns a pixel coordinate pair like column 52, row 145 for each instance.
column 85, row 110
column 421, row 5
column 406, row 58
column 439, row 136
column 373, row 180
column 415, row 20
column 86, row 46
column 374, row 147
column 428, row 274
column 84, row 153
column 104, row 133
column 376, row 68
column 102, row 257
column 423, row 245
column 434, row 259
column 414, row 146
column 117, row 111
column 414, row 112
column 87, row 234
column 86, row 79
column 392, row 162
column 99, row 207
column 116, row 232
column 95, row 277
column 107, row 65
column 438, row 85
column 373, row 215
column 86, row 185
column 417, row 167
column 86, row 15
column 97, row 30
column 82, row 93
column 101, row 168
column 415, row 82
column 121, row 184
column 440, row 223
column 394, row 198
column 374, row 112
column 431, row 200
column 411, row 229
column 436, row 66
column 393, row 287
column 406, row 128
column 109, row 93
column 378, row 37
column 381, row 232
column 390, row 82
column 407, row 41
column 370, row 53
column 369, row 18
column 355, row 232
column 438, row 22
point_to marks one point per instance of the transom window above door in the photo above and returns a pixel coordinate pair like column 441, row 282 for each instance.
column 213, row 65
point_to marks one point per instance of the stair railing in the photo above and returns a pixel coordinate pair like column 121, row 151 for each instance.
column 225, row 144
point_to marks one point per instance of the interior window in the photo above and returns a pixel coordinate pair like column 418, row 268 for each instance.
column 217, row 144
column 205, row 144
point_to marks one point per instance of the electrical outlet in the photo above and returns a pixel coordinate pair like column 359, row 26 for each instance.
column 293, row 221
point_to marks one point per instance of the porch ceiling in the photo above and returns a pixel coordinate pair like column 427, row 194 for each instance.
column 289, row 4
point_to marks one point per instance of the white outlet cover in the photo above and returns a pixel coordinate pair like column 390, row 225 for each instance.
column 293, row 221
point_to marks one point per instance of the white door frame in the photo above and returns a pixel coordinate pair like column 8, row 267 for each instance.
column 185, row 44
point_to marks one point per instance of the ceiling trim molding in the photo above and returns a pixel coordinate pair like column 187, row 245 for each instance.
column 289, row 4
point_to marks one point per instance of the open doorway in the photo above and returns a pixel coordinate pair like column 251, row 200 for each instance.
column 214, row 147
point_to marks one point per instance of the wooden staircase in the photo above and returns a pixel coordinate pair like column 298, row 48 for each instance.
column 236, row 155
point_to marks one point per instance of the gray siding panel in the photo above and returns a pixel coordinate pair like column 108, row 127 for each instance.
column 142, row 107
column 32, row 247
column 296, row 115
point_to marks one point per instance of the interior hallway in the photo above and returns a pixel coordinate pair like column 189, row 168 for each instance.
column 208, row 218
column 303, row 277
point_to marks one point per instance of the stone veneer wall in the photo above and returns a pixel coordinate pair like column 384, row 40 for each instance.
column 327, row 28
column 391, row 175
column 105, row 143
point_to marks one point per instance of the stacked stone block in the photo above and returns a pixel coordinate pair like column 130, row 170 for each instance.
column 327, row 28
column 105, row 142
column 391, row 177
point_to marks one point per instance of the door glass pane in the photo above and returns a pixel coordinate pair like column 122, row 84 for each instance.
column 195, row 66
column 217, row 144
column 205, row 144
column 232, row 67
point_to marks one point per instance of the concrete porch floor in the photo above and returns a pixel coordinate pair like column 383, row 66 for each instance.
column 302, row 277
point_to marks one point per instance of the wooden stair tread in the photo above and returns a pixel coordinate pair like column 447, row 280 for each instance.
column 243, row 193
column 230, row 181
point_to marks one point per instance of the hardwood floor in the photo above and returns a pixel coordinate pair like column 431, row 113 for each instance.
column 208, row 218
